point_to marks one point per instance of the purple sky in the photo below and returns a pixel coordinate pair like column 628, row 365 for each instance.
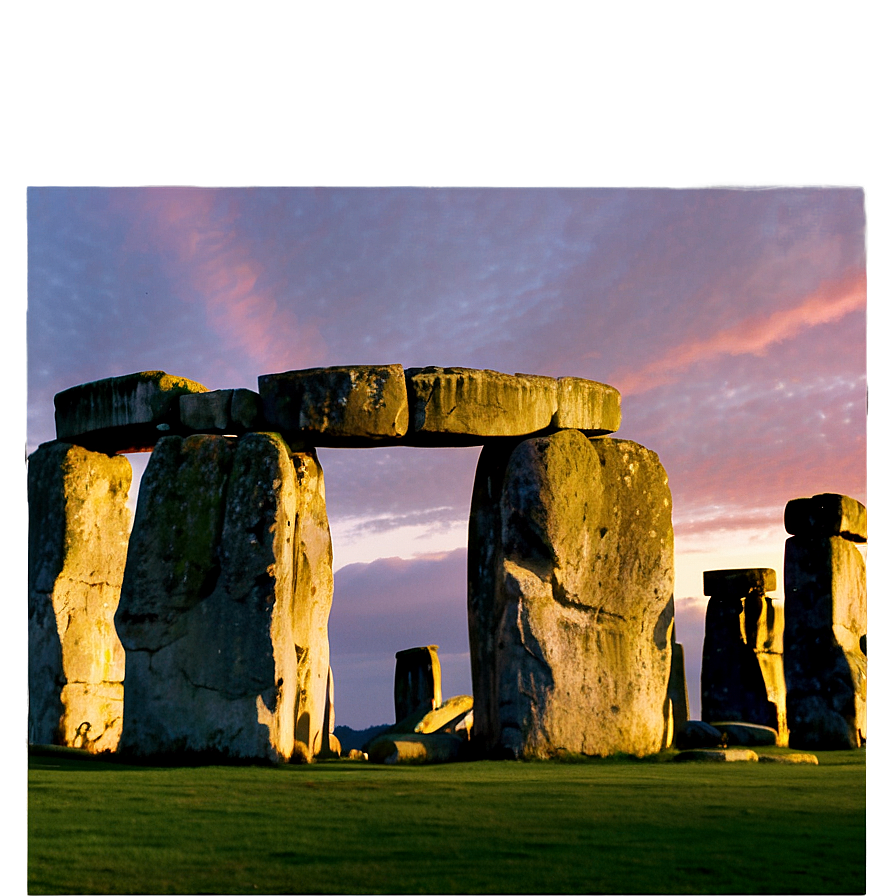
column 732, row 322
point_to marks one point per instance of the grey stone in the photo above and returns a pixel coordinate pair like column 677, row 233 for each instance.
column 418, row 680
column 122, row 413
column 224, row 411
column 353, row 406
column 697, row 734
column 825, row 664
column 570, row 597
column 790, row 758
column 221, row 617
column 77, row 545
column 825, row 516
column 679, row 707
column 744, row 734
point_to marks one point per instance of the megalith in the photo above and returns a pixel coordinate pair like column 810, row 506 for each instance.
column 225, row 601
column 418, row 680
column 825, row 661
column 742, row 674
column 78, row 530
column 570, row 597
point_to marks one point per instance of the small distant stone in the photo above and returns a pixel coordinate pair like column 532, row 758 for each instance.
column 698, row 734
column 790, row 758
column 717, row 756
column 745, row 734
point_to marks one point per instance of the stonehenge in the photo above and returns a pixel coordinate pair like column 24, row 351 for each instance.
column 201, row 627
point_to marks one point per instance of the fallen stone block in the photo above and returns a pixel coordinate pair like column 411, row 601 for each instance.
column 416, row 749
column 697, row 734
column 570, row 597
column 743, row 734
column 122, row 413
column 222, row 619
column 224, row 411
column 354, row 406
column 77, row 546
column 717, row 756
column 826, row 516
column 790, row 758
column 447, row 717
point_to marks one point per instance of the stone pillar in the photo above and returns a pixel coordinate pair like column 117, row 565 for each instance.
column 678, row 709
column 825, row 659
column 742, row 676
column 225, row 600
column 77, row 544
column 570, row 597
column 418, row 680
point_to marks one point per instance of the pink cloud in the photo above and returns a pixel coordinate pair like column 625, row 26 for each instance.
column 754, row 335
column 205, row 248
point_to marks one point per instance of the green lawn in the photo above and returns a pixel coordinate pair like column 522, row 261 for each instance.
column 611, row 826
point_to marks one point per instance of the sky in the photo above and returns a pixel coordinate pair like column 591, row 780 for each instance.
column 732, row 321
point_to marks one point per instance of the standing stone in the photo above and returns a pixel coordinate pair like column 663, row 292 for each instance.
column 678, row 709
column 418, row 680
column 122, row 413
column 824, row 643
column 742, row 676
column 329, row 748
column 337, row 406
column 221, row 611
column 77, row 545
column 570, row 597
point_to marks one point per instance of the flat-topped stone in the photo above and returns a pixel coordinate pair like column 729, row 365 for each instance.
column 745, row 734
column 337, row 406
column 122, row 413
column 738, row 582
column 790, row 758
column 223, row 411
column 826, row 516
column 477, row 404
column 587, row 405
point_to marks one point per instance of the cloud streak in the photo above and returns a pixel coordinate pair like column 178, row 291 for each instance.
column 753, row 336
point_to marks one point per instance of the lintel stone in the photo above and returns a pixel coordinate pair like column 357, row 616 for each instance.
column 351, row 406
column 230, row 411
column 826, row 516
column 587, row 405
column 738, row 582
column 122, row 413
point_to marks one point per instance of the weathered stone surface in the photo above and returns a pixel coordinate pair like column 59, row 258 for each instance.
column 587, row 405
column 223, row 609
column 224, row 411
column 744, row 734
column 122, row 413
column 77, row 545
column 416, row 749
column 742, row 674
column 738, row 582
column 790, row 758
column 697, row 734
column 824, row 662
column 418, row 680
column 570, row 597
column 337, row 406
column 717, row 756
column 827, row 515
column 472, row 405
column 445, row 718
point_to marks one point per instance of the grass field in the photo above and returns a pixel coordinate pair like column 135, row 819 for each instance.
column 601, row 826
